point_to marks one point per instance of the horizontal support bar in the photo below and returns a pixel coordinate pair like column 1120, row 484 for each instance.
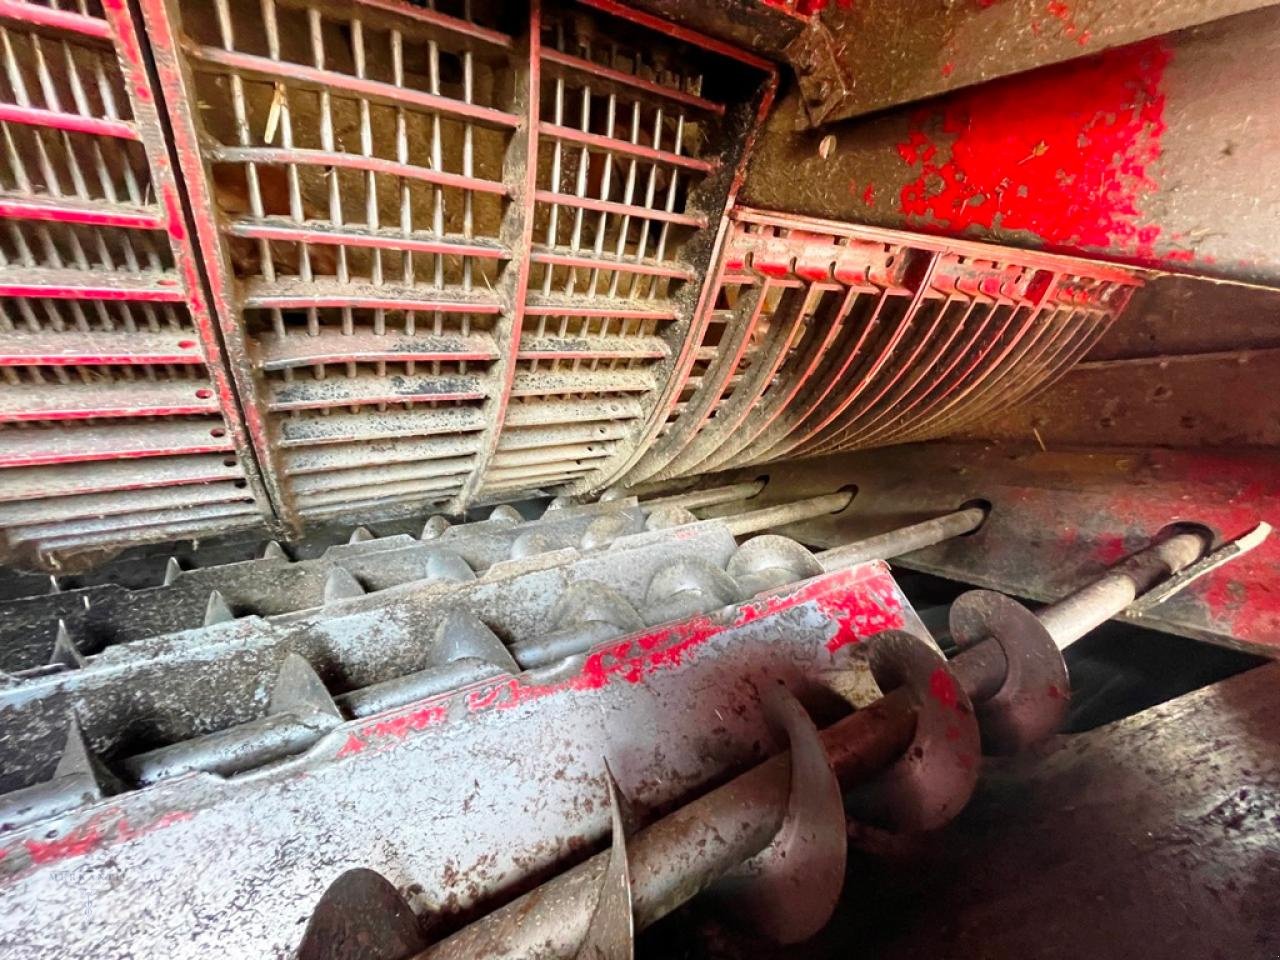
column 301, row 349
column 441, row 21
column 89, row 212
column 65, row 444
column 579, row 262
column 357, row 428
column 550, row 347
column 624, row 79
column 61, row 284
column 542, row 383
column 598, row 141
column 302, row 294
column 42, row 483
column 593, row 308
column 70, row 122
column 548, row 412
column 76, row 347
column 363, row 476
column 342, row 391
column 280, row 156
column 619, row 209
column 61, row 20
column 117, row 398
column 326, row 235
column 370, row 453
column 342, row 83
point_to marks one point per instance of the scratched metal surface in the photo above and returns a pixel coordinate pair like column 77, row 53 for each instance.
column 669, row 708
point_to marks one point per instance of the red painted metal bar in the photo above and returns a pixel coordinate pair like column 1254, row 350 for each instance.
column 64, row 210
column 66, row 21
column 60, row 445
column 681, row 33
column 349, row 237
column 648, row 267
column 375, row 90
column 264, row 295
column 598, row 141
column 51, row 349
column 588, row 309
column 332, row 346
column 81, row 285
column 625, row 79
column 621, row 209
column 521, row 172
column 277, row 156
column 436, row 19
column 128, row 398
column 70, row 122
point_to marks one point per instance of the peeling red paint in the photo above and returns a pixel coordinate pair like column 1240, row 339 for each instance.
column 107, row 827
column 862, row 613
column 117, row 12
column 79, row 841
column 860, row 602
column 353, row 745
column 173, row 213
column 1068, row 153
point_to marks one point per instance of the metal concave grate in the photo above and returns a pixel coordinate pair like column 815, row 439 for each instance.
column 823, row 336
column 458, row 252
column 117, row 419
column 457, row 247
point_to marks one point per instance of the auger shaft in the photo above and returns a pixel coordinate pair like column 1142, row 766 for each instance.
column 682, row 854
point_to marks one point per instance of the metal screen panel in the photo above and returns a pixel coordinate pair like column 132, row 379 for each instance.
column 117, row 421
column 455, row 248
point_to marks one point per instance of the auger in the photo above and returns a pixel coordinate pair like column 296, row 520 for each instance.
column 772, row 840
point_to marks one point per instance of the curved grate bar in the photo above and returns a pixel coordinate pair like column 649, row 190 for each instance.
column 821, row 336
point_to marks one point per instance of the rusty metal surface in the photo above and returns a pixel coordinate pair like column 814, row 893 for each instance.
column 1156, row 154
column 1059, row 518
column 861, row 57
column 659, row 705
column 118, row 423
column 455, row 252
column 824, row 336
column 1155, row 836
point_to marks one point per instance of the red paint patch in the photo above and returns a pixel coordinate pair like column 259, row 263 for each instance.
column 103, row 828
column 943, row 688
column 173, row 213
column 948, row 68
column 1110, row 550
column 1066, row 153
column 869, row 195
column 353, row 745
column 76, row 843
column 860, row 602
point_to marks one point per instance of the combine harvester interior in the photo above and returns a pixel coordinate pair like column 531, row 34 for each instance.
column 704, row 479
